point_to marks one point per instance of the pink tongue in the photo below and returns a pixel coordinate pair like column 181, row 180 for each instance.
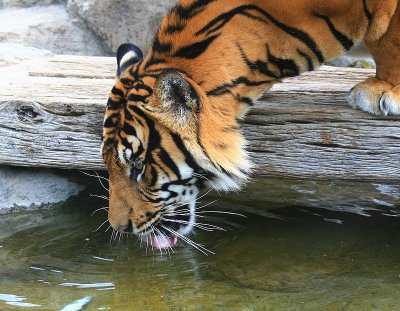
column 162, row 241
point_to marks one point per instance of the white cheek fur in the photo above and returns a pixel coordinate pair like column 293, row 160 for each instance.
column 192, row 220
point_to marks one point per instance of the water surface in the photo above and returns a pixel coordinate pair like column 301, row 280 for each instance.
column 305, row 258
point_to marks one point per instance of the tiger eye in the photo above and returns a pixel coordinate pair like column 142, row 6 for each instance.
column 138, row 165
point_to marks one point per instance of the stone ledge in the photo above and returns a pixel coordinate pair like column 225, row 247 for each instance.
column 28, row 189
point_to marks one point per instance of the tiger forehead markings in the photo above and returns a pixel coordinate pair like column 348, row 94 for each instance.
column 171, row 124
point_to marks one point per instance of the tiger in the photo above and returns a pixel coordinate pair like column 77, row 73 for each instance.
column 172, row 121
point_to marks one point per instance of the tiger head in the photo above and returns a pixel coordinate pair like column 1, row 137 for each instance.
column 162, row 143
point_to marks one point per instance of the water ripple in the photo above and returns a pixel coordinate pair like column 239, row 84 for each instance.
column 88, row 285
column 15, row 300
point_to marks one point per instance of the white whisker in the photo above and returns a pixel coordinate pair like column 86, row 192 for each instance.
column 105, row 208
column 205, row 205
column 174, row 206
column 151, row 244
column 214, row 187
column 101, row 183
column 99, row 196
column 189, row 241
column 186, row 212
column 112, row 234
column 95, row 176
column 100, row 225
column 204, row 194
column 140, row 238
column 98, row 177
column 221, row 212
column 147, row 243
column 197, row 224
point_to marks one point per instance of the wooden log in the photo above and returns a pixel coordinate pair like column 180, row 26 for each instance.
column 51, row 116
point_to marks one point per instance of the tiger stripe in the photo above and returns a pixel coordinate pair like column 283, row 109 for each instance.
column 345, row 41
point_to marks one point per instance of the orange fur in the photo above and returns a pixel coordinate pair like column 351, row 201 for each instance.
column 223, row 55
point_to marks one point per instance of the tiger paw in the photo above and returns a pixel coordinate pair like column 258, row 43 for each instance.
column 375, row 96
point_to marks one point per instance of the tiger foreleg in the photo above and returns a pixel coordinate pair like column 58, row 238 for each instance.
column 381, row 95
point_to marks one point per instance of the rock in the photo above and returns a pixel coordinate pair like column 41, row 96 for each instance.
column 349, row 60
column 26, row 3
column 359, row 197
column 23, row 188
column 17, row 59
column 357, row 57
column 51, row 28
column 118, row 21
column 16, row 53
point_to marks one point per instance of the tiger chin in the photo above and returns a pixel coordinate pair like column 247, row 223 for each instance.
column 171, row 126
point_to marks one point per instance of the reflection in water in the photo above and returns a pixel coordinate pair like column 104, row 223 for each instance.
column 14, row 300
column 296, row 257
column 99, row 286
column 77, row 304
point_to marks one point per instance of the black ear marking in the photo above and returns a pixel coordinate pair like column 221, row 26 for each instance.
column 127, row 55
column 175, row 92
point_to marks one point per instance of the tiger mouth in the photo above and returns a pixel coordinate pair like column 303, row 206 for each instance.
column 159, row 237
column 170, row 227
column 161, row 241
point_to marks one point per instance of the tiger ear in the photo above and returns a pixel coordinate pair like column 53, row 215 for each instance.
column 175, row 95
column 127, row 55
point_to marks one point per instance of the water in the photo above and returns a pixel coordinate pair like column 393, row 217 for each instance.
column 301, row 259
